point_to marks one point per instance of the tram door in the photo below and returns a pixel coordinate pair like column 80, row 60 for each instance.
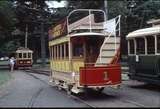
column 93, row 45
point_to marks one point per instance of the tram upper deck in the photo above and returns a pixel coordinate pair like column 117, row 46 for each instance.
column 80, row 40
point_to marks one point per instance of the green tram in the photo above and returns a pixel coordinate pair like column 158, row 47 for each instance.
column 144, row 53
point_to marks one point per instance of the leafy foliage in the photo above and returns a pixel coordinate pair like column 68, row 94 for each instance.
column 7, row 19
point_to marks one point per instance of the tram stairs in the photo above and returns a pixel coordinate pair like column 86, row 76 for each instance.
column 125, row 70
column 108, row 51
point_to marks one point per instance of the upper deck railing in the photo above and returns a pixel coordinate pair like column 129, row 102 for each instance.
column 85, row 20
column 88, row 23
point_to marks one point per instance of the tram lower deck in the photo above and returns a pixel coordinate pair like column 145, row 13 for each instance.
column 146, row 69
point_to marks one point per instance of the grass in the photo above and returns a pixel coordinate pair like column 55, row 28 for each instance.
column 4, row 76
column 5, row 62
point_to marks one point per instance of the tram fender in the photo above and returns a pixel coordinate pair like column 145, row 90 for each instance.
column 100, row 76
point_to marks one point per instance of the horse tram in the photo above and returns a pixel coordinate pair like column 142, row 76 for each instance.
column 85, row 51
column 144, row 53
column 24, row 58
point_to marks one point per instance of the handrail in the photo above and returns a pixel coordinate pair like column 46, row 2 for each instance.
column 89, row 11
column 106, row 39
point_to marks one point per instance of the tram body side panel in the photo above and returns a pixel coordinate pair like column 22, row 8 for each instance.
column 145, row 68
column 100, row 76
column 63, row 70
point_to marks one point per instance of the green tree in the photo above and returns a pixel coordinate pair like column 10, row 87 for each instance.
column 7, row 23
column 7, row 19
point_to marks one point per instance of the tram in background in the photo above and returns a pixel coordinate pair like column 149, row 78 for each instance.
column 144, row 53
column 23, row 57
column 84, row 52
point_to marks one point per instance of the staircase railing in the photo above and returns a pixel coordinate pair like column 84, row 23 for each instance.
column 106, row 39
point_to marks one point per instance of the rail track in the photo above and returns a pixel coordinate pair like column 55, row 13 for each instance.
column 38, row 71
column 83, row 98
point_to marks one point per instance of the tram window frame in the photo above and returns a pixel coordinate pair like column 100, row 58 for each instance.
column 52, row 53
column 56, row 53
column 20, row 55
column 59, row 51
column 150, row 45
column 62, row 52
column 78, row 50
column 24, row 55
column 66, row 50
column 131, row 47
column 29, row 55
column 140, row 47
column 158, row 44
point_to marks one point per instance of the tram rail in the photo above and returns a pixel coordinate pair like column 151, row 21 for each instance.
column 83, row 97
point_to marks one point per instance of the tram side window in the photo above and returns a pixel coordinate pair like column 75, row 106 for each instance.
column 62, row 51
column 131, row 44
column 24, row 55
column 140, row 46
column 52, row 52
column 78, row 50
column 67, row 50
column 29, row 55
column 56, row 51
column 59, row 51
column 158, row 43
column 20, row 55
column 150, row 45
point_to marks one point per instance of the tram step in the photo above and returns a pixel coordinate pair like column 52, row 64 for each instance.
column 112, row 39
column 108, row 54
column 125, row 68
column 109, row 45
column 111, row 49
column 125, row 76
column 107, row 57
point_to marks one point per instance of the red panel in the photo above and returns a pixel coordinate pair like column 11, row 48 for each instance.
column 99, row 76
column 24, row 63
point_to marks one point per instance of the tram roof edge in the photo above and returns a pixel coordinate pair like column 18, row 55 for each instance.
column 153, row 21
column 88, row 34
column 144, row 32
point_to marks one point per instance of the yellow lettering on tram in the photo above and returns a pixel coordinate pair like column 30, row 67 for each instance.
column 56, row 31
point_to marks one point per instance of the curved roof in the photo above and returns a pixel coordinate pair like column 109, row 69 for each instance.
column 22, row 49
column 144, row 32
column 88, row 34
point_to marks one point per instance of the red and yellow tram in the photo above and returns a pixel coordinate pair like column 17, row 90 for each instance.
column 83, row 53
column 23, row 57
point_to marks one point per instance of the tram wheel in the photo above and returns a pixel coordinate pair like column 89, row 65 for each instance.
column 59, row 87
column 100, row 89
column 69, row 92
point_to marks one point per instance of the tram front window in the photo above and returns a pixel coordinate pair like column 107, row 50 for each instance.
column 131, row 44
column 140, row 45
column 29, row 55
column 24, row 55
column 150, row 45
column 78, row 50
column 20, row 55
column 158, row 44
